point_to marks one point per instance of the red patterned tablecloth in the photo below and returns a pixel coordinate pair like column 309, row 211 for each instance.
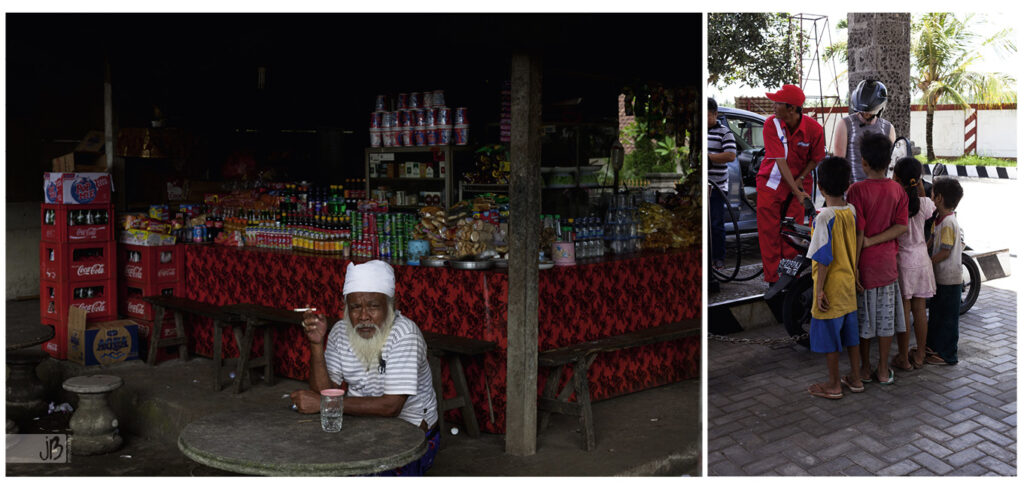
column 579, row 303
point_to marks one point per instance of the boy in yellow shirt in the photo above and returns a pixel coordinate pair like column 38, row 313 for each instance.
column 833, row 250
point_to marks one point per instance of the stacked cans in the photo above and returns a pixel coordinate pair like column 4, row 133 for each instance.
column 420, row 119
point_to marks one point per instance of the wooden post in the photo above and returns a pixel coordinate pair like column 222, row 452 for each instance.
column 524, row 242
column 115, row 164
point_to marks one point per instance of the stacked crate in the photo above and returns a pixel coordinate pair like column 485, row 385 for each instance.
column 76, row 267
column 145, row 271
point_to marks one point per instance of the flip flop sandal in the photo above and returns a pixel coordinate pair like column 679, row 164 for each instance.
column 821, row 393
column 910, row 358
column 893, row 361
column 933, row 359
column 890, row 381
column 845, row 382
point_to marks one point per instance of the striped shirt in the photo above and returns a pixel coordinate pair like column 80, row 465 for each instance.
column 720, row 140
column 406, row 370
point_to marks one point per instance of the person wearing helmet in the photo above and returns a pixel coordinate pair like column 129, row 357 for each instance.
column 867, row 102
column 793, row 146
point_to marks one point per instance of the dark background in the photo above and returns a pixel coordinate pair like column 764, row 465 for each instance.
column 323, row 72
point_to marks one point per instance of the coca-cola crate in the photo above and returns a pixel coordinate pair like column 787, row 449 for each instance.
column 167, row 330
column 151, row 264
column 76, row 262
column 131, row 294
column 62, row 223
column 98, row 298
column 57, row 347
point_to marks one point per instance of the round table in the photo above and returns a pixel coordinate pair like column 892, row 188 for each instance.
column 23, row 336
column 286, row 443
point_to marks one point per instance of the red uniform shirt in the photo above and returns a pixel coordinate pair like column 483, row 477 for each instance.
column 881, row 203
column 805, row 145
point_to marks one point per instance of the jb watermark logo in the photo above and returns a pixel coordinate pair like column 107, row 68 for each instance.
column 37, row 449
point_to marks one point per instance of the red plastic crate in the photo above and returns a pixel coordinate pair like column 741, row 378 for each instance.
column 131, row 294
column 57, row 347
column 56, row 299
column 167, row 330
column 76, row 262
column 151, row 264
column 60, row 231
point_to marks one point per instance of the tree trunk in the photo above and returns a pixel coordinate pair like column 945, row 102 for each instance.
column 928, row 126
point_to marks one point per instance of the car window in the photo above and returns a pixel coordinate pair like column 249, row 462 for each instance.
column 748, row 133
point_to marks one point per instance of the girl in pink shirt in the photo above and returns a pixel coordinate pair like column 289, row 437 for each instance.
column 917, row 280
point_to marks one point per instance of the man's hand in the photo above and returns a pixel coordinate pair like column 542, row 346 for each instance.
column 307, row 401
column 800, row 196
column 315, row 326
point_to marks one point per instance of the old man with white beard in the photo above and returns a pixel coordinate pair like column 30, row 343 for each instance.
column 379, row 353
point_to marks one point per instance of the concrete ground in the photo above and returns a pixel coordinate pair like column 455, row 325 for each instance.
column 938, row 420
column 653, row 432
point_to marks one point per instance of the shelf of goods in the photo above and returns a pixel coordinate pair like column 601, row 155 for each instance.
column 410, row 177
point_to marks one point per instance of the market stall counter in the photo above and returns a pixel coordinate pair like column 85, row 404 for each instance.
column 594, row 299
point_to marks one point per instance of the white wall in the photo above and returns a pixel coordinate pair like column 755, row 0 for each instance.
column 997, row 132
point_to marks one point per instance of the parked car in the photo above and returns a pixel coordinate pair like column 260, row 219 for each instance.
column 747, row 128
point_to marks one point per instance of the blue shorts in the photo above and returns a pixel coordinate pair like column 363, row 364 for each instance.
column 832, row 335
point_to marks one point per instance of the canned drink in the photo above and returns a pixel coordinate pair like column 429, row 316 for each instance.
column 443, row 117
column 377, row 119
column 428, row 99
column 430, row 117
column 375, row 137
column 419, row 118
column 415, row 100
column 432, row 136
column 393, row 119
column 407, row 139
column 438, row 98
column 403, row 101
column 420, row 136
column 444, row 135
column 403, row 118
column 381, row 103
column 198, row 233
column 461, row 134
column 461, row 115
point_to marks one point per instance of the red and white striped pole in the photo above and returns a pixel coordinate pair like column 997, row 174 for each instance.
column 971, row 132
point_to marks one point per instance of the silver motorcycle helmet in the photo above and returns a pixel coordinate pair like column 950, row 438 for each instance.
column 870, row 96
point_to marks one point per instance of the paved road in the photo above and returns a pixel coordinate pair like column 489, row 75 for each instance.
column 958, row 420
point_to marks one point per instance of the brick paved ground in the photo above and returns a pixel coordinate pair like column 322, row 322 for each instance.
column 958, row 420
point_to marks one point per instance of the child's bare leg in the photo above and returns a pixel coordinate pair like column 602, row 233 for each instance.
column 884, row 343
column 865, row 358
column 832, row 386
column 920, row 328
column 854, row 377
column 903, row 340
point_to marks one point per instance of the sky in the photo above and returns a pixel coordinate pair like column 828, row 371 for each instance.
column 987, row 24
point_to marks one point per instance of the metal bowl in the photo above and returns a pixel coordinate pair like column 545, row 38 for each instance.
column 471, row 264
column 434, row 261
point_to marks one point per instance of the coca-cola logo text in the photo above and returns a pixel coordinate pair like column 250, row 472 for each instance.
column 136, row 307
column 167, row 272
column 133, row 271
column 93, row 307
column 50, row 274
column 87, row 232
column 95, row 269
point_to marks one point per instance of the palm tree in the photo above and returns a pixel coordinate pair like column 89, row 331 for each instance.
column 943, row 51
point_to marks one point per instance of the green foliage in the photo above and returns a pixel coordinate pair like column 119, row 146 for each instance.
column 973, row 160
column 943, row 52
column 754, row 49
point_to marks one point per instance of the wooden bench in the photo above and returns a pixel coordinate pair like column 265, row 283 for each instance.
column 255, row 317
column 580, row 357
column 182, row 306
column 453, row 348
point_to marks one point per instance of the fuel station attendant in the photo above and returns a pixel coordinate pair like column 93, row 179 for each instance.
column 793, row 144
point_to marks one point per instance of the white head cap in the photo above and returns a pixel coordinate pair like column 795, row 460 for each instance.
column 372, row 276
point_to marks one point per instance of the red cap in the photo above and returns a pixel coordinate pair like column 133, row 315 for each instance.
column 788, row 94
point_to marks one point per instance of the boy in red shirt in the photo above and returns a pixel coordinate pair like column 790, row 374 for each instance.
column 881, row 218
